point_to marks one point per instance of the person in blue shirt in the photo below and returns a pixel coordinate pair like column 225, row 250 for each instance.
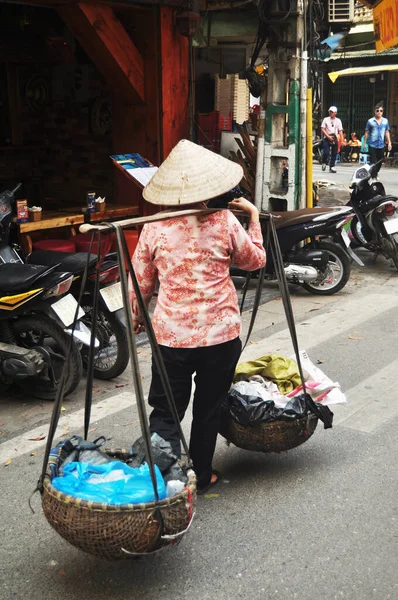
column 377, row 132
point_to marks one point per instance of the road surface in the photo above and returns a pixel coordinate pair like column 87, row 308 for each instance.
column 316, row 523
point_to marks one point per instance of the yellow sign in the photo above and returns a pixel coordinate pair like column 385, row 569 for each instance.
column 385, row 23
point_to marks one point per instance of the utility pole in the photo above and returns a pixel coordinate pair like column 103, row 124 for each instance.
column 281, row 161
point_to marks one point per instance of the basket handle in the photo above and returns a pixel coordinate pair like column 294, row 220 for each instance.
column 170, row 537
column 61, row 386
column 174, row 536
column 322, row 412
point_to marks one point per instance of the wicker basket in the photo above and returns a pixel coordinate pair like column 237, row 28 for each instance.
column 275, row 436
column 118, row 532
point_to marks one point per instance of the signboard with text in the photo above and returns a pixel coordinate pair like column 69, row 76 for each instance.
column 385, row 22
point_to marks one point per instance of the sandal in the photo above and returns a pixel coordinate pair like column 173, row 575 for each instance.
column 208, row 486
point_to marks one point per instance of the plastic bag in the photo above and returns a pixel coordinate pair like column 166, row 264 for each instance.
column 76, row 449
column 112, row 483
column 318, row 385
column 163, row 457
column 248, row 410
column 258, row 386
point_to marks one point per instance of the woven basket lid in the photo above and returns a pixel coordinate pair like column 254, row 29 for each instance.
column 191, row 174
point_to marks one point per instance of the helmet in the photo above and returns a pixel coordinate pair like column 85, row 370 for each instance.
column 333, row 109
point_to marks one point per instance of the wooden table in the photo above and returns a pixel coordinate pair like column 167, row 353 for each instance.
column 69, row 218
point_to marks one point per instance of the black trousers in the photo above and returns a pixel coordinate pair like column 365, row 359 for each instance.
column 376, row 154
column 214, row 368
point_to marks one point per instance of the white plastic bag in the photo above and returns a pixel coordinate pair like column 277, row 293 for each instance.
column 318, row 385
column 264, row 389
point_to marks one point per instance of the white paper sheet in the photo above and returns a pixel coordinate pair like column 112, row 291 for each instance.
column 143, row 175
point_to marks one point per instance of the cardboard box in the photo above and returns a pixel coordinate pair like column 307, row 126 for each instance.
column 22, row 211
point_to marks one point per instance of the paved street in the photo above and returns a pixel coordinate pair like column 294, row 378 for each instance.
column 316, row 523
column 388, row 176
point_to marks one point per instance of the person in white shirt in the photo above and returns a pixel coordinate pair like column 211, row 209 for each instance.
column 331, row 127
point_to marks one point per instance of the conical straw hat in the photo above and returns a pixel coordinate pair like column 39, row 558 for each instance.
column 191, row 174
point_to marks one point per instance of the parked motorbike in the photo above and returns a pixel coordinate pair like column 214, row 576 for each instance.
column 375, row 223
column 323, row 264
column 317, row 151
column 33, row 345
column 112, row 356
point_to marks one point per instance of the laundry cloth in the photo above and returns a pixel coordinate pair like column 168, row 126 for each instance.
column 282, row 371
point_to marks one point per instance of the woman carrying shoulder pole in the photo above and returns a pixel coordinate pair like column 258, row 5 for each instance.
column 196, row 318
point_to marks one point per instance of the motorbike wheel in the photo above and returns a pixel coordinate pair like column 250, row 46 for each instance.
column 394, row 253
column 112, row 357
column 357, row 234
column 39, row 330
column 337, row 271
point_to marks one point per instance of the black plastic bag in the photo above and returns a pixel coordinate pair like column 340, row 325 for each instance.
column 163, row 454
column 248, row 410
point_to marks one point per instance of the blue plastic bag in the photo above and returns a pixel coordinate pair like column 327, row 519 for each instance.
column 112, row 483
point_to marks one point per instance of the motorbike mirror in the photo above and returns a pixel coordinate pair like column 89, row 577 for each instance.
column 373, row 167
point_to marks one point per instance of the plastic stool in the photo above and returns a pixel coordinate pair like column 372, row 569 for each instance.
column 55, row 245
column 337, row 158
column 364, row 159
column 82, row 242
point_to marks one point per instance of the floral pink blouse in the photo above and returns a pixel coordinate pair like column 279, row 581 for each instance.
column 197, row 304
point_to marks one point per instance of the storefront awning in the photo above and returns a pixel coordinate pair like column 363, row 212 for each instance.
column 361, row 71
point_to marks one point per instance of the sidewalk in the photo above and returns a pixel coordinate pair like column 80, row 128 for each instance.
column 332, row 194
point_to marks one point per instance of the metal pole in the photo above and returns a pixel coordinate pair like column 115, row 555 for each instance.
column 302, row 196
column 309, row 149
column 258, row 195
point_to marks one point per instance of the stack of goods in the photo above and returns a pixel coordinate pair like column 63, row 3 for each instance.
column 223, row 94
column 90, row 474
column 232, row 96
column 231, row 103
column 269, row 389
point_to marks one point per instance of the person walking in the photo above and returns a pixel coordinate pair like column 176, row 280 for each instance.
column 377, row 132
column 196, row 318
column 331, row 127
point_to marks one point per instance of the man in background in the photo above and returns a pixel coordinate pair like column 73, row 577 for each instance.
column 377, row 133
column 331, row 128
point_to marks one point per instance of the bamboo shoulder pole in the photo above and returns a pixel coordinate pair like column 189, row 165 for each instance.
column 160, row 216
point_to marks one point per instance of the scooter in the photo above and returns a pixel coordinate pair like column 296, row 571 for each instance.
column 375, row 223
column 317, row 151
column 33, row 344
column 323, row 264
column 111, row 357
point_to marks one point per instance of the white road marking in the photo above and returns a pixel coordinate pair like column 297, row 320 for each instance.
column 315, row 330
column 319, row 329
column 72, row 423
column 377, row 394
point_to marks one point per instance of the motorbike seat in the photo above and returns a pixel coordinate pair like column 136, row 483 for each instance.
column 16, row 278
column 371, row 203
column 295, row 217
column 72, row 262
